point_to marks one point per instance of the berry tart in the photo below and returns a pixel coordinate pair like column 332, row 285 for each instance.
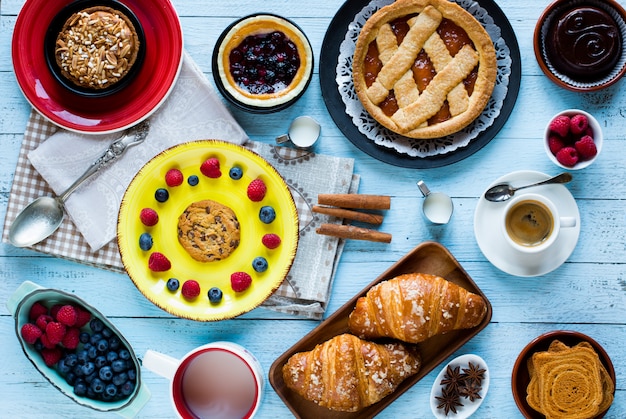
column 262, row 63
column 424, row 68
column 207, row 230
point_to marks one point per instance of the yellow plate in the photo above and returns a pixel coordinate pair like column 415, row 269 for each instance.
column 188, row 158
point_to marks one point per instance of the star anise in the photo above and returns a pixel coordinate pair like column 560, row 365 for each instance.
column 470, row 391
column 452, row 379
column 474, row 374
column 448, row 401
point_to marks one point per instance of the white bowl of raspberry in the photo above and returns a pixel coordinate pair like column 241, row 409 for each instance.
column 573, row 139
column 78, row 350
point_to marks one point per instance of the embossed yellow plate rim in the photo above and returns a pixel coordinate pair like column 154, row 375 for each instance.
column 188, row 157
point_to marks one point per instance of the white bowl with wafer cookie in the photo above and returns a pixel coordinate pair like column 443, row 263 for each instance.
column 567, row 369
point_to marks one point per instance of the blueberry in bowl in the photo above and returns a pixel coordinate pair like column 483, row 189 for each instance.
column 94, row 48
column 77, row 349
column 262, row 63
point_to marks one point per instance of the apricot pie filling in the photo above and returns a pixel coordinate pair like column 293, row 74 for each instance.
column 424, row 68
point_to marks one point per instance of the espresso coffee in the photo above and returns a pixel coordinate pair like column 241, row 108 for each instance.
column 219, row 384
column 529, row 223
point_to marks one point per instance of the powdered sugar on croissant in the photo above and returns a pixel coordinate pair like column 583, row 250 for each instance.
column 414, row 307
column 346, row 373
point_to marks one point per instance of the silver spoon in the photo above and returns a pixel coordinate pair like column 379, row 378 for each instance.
column 504, row 191
column 39, row 219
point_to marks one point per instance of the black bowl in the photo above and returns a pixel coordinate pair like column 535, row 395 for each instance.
column 250, row 107
column 57, row 24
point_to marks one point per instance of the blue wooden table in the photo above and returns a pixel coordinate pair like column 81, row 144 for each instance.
column 587, row 293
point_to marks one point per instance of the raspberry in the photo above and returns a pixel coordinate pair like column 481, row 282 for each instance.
column 54, row 310
column 190, row 289
column 174, row 177
column 271, row 241
column 586, row 148
column 55, row 332
column 37, row 310
column 148, row 217
column 51, row 355
column 42, row 321
column 256, row 190
column 67, row 315
column 158, row 262
column 567, row 156
column 240, row 281
column 70, row 340
column 211, row 168
column 46, row 342
column 578, row 124
column 560, row 125
column 82, row 317
column 30, row 333
column 555, row 143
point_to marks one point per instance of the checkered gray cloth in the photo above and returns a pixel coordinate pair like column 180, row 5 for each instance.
column 306, row 289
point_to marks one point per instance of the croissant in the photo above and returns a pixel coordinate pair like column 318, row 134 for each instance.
column 347, row 374
column 414, row 307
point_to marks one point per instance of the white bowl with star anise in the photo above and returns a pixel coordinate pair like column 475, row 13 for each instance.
column 460, row 387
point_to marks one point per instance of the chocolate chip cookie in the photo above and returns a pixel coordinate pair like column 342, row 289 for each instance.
column 208, row 230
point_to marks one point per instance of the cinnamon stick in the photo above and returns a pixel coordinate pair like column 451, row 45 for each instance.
column 358, row 201
column 365, row 217
column 352, row 232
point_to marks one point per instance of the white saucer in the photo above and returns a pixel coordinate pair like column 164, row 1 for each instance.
column 468, row 407
column 504, row 257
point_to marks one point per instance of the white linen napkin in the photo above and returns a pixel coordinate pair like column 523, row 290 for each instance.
column 192, row 110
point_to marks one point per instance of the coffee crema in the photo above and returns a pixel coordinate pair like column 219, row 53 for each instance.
column 529, row 223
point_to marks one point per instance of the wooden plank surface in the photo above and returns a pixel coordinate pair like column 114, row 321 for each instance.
column 587, row 293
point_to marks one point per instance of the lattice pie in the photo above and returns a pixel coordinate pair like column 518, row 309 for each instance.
column 424, row 68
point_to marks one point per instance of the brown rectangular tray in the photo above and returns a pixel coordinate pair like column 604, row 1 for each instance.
column 428, row 257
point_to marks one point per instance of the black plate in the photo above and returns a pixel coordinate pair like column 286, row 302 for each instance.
column 328, row 63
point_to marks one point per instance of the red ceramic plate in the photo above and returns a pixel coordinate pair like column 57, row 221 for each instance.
column 161, row 66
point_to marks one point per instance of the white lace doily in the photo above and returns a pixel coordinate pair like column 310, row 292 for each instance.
column 411, row 146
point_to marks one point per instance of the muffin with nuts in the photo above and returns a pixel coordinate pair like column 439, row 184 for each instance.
column 96, row 48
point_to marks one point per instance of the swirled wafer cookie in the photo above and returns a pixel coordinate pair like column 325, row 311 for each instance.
column 568, row 382
column 208, row 230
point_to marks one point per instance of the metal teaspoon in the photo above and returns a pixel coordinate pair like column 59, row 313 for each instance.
column 504, row 191
column 39, row 219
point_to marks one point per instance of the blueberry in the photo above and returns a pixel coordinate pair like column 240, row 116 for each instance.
column 71, row 360
column 95, row 338
column 107, row 333
column 111, row 390
column 267, row 214
column 124, row 354
column 78, row 371
column 71, row 378
column 120, row 378
column 97, row 386
column 215, row 295
column 235, row 173
column 100, row 361
column 259, row 264
column 84, row 337
column 80, row 388
column 62, row 367
column 89, row 378
column 118, row 365
column 111, row 356
column 145, row 241
column 102, row 345
column 92, row 352
column 105, row 373
column 96, row 325
column 82, row 357
column 193, row 180
column 114, row 343
column 132, row 374
column 127, row 388
column 173, row 284
column 88, row 368
column 161, row 195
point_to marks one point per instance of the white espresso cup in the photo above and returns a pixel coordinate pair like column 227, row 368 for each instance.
column 218, row 380
column 531, row 223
